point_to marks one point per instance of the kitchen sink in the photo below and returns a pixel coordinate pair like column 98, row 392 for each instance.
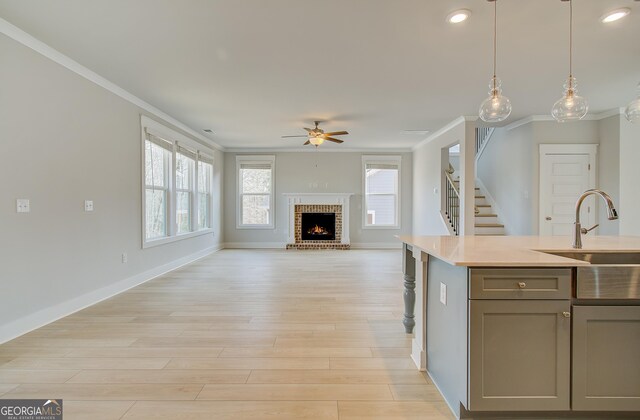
column 611, row 275
column 604, row 258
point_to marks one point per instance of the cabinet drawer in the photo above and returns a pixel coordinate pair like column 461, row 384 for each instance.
column 520, row 283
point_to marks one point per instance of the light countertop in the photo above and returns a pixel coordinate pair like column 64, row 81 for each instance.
column 515, row 251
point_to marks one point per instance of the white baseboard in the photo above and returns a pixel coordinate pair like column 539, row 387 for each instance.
column 282, row 245
column 255, row 245
column 48, row 315
column 376, row 245
column 418, row 355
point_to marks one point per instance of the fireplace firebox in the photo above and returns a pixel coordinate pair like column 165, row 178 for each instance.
column 318, row 226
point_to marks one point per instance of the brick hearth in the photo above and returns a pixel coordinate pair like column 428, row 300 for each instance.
column 317, row 208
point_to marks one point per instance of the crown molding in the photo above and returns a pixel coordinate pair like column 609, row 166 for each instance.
column 56, row 56
column 310, row 150
column 444, row 129
column 588, row 117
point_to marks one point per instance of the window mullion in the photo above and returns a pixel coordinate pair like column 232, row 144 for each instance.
column 173, row 227
column 194, row 194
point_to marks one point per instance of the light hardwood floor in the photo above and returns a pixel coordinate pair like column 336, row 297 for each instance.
column 239, row 334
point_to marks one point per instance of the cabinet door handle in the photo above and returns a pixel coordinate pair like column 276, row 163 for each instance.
column 522, row 285
column 566, row 314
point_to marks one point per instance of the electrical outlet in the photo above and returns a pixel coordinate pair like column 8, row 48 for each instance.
column 443, row 293
column 23, row 205
column 88, row 205
column 125, row 257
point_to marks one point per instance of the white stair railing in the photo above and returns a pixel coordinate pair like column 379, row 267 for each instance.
column 482, row 137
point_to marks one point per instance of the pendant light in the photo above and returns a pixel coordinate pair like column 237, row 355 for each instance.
column 496, row 107
column 571, row 106
column 633, row 109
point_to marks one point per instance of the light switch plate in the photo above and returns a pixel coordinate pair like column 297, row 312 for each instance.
column 23, row 205
column 88, row 205
column 443, row 293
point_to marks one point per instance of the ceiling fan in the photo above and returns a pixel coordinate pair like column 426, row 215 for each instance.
column 317, row 136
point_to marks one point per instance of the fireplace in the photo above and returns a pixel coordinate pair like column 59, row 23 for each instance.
column 318, row 221
column 318, row 226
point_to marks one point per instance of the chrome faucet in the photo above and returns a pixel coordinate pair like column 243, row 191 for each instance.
column 578, row 230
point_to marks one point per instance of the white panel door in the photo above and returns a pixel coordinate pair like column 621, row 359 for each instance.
column 563, row 178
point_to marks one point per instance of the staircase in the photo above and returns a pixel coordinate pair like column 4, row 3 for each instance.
column 486, row 220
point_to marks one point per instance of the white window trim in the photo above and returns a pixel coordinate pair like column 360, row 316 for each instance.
column 160, row 130
column 385, row 159
column 270, row 159
column 210, row 201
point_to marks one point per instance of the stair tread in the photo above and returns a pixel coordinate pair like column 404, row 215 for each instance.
column 480, row 196
column 487, row 225
column 490, row 234
column 486, row 215
column 483, row 205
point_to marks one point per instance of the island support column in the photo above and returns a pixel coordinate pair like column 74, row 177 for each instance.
column 419, row 342
column 409, row 272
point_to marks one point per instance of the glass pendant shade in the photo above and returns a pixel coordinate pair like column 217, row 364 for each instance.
column 571, row 106
column 316, row 141
column 632, row 112
column 496, row 107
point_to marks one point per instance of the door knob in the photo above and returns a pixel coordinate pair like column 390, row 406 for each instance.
column 547, row 218
column 566, row 314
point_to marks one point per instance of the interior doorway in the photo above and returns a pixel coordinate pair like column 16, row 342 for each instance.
column 566, row 171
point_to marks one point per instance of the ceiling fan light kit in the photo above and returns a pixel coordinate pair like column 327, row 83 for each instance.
column 571, row 106
column 496, row 107
column 316, row 136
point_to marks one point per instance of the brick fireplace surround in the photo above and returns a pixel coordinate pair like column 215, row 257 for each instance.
column 318, row 203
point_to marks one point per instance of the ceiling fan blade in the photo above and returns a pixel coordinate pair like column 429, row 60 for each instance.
column 334, row 140
column 336, row 133
column 308, row 129
column 306, row 142
column 284, row 137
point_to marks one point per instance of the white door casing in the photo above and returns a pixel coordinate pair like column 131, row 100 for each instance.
column 566, row 171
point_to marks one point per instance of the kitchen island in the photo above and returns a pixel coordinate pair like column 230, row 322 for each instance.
column 523, row 325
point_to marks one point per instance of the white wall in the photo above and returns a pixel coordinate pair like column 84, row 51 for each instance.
column 64, row 140
column 609, row 170
column 509, row 167
column 427, row 174
column 629, row 178
column 321, row 172
column 506, row 170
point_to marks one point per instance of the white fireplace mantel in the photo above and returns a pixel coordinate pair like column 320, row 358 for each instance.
column 341, row 199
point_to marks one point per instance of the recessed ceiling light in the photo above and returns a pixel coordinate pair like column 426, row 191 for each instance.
column 207, row 130
column 614, row 15
column 458, row 16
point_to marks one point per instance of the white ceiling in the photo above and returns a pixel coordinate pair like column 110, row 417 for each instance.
column 253, row 70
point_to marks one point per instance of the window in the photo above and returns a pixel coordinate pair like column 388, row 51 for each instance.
column 177, row 180
column 185, row 168
column 205, row 170
column 255, row 191
column 381, row 191
column 156, row 187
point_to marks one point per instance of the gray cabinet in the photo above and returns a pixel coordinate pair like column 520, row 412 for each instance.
column 519, row 355
column 606, row 358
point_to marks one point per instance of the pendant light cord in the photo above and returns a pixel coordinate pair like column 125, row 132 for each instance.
column 570, row 44
column 495, row 38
